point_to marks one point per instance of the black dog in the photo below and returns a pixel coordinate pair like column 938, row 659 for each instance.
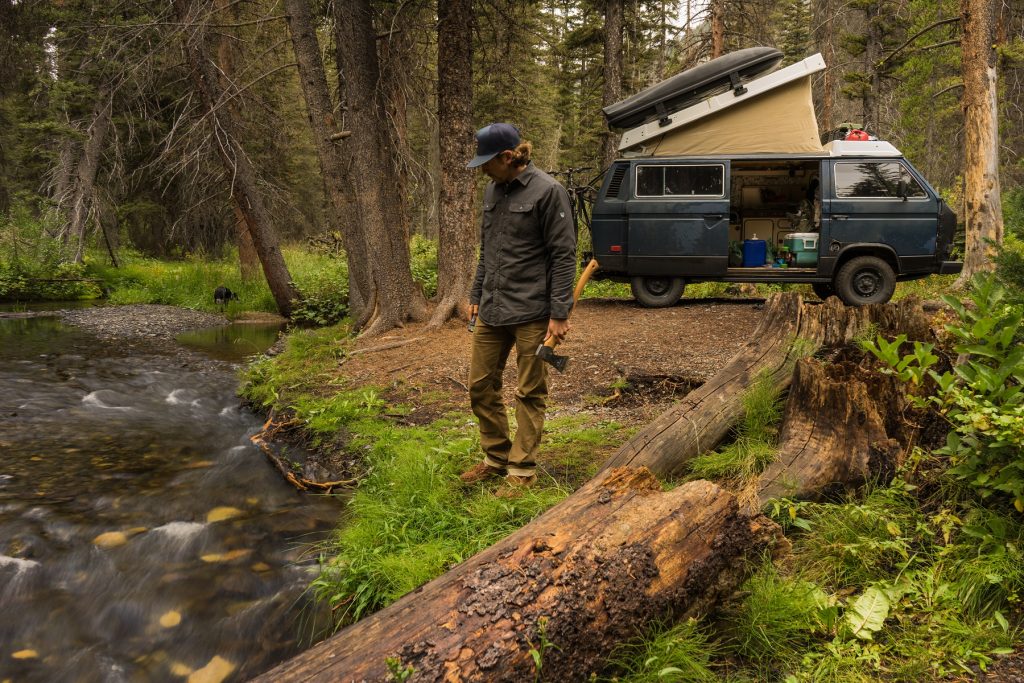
column 222, row 295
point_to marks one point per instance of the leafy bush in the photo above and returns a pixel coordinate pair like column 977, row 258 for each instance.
column 32, row 262
column 1010, row 266
column 982, row 396
column 323, row 295
column 423, row 258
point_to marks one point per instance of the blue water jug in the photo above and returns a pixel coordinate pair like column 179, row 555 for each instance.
column 755, row 253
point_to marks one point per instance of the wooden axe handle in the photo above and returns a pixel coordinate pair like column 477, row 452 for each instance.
column 584, row 277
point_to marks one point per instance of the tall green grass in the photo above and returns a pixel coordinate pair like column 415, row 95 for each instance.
column 190, row 282
column 755, row 440
column 410, row 520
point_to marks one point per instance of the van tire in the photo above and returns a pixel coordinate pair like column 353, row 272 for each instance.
column 823, row 290
column 657, row 292
column 865, row 280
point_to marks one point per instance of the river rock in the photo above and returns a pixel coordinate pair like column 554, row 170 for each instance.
column 220, row 514
column 214, row 672
column 170, row 619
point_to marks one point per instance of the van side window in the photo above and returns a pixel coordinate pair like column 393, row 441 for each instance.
column 874, row 179
column 680, row 181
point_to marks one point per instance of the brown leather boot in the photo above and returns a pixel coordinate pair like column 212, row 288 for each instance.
column 515, row 485
column 480, row 472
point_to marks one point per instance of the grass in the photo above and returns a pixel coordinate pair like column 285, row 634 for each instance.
column 410, row 519
column 683, row 652
column 190, row 282
column 754, row 446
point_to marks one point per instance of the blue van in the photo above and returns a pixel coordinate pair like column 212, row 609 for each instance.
column 863, row 219
column 723, row 177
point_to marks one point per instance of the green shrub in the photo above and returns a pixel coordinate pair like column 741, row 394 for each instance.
column 33, row 264
column 423, row 260
column 779, row 619
column 1010, row 266
column 982, row 396
column 323, row 295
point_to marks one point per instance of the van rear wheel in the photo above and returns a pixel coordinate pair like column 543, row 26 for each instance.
column 823, row 290
column 865, row 280
column 657, row 292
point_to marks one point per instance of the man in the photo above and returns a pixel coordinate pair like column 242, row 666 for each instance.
column 521, row 296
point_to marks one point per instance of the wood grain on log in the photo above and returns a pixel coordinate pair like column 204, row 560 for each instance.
column 588, row 574
column 833, row 434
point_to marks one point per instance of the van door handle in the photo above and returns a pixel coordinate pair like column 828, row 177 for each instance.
column 839, row 216
column 714, row 216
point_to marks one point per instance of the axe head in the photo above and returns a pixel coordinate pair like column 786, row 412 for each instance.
column 548, row 355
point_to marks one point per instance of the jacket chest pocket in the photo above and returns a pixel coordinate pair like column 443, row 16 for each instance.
column 522, row 220
column 489, row 213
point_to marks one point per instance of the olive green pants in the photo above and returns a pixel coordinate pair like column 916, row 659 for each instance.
column 491, row 347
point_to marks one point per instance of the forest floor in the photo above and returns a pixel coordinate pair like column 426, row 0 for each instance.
column 626, row 362
column 627, row 365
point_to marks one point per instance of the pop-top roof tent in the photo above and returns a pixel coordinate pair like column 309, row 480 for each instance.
column 731, row 105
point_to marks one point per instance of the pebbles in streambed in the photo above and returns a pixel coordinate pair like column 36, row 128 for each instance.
column 114, row 539
column 220, row 514
column 215, row 671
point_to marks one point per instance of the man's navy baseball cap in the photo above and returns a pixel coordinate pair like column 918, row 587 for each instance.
column 492, row 140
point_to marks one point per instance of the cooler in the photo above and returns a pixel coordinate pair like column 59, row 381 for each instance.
column 804, row 246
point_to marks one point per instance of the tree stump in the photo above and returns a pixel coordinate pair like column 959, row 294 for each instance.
column 586, row 575
column 833, row 433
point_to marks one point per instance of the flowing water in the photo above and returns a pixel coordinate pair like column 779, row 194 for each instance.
column 142, row 536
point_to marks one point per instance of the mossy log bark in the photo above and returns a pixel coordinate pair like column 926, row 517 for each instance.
column 586, row 575
column 789, row 330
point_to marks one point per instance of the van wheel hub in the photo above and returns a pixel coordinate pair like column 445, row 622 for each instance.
column 867, row 282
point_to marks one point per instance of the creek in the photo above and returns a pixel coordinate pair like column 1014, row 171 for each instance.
column 142, row 536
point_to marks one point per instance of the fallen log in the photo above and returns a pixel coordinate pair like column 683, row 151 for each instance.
column 588, row 574
column 789, row 330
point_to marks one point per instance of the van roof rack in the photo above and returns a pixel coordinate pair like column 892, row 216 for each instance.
column 650, row 131
column 728, row 72
column 861, row 148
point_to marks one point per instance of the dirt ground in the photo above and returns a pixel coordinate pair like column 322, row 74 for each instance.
column 651, row 355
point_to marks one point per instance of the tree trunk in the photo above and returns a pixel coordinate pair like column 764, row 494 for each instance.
column 612, row 91
column 245, row 188
column 789, row 330
column 584, row 576
column 333, row 165
column 372, row 172
column 248, row 260
column 457, row 231
column 88, row 165
column 825, row 37
column 835, row 432
column 717, row 10
column 983, row 211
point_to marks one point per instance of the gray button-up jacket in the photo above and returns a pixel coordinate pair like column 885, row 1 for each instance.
column 527, row 251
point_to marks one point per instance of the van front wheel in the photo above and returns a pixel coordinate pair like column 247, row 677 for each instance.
column 657, row 292
column 865, row 280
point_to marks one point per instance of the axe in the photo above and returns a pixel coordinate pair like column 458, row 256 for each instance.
column 546, row 351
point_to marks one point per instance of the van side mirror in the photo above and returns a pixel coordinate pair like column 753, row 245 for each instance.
column 902, row 189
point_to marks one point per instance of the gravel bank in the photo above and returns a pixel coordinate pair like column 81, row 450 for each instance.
column 140, row 321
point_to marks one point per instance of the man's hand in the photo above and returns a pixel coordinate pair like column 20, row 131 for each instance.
column 473, row 310
column 557, row 329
